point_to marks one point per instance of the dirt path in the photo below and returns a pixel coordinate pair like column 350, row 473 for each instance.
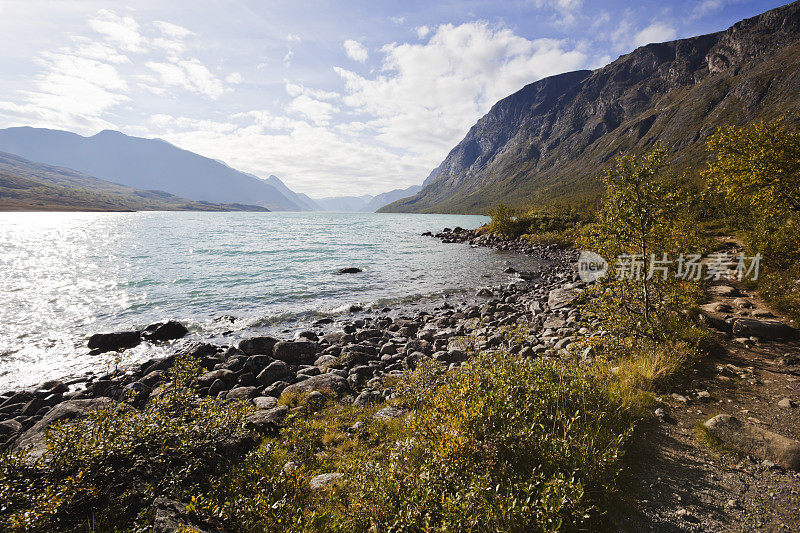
column 680, row 483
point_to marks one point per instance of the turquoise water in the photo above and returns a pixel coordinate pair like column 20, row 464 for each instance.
column 64, row 276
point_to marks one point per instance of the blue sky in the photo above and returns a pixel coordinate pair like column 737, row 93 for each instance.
column 336, row 98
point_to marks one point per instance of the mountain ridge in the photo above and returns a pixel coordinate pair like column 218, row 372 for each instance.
column 143, row 164
column 29, row 186
column 549, row 141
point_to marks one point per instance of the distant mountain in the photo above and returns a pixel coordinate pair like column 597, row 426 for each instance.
column 550, row 141
column 304, row 202
column 144, row 164
column 388, row 197
column 343, row 204
column 29, row 186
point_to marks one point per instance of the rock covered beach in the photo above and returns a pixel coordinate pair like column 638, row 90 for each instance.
column 349, row 356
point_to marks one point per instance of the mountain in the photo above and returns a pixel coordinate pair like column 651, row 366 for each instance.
column 301, row 200
column 343, row 204
column 144, row 164
column 551, row 140
column 29, row 186
column 387, row 198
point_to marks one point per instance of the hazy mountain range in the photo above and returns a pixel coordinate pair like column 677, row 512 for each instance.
column 550, row 141
column 26, row 185
column 126, row 167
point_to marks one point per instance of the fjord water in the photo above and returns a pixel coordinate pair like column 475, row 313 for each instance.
column 64, row 276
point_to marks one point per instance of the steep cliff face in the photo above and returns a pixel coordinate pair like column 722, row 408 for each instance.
column 550, row 140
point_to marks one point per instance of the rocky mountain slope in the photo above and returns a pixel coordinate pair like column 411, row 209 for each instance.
column 550, row 141
column 387, row 198
column 29, row 186
column 144, row 164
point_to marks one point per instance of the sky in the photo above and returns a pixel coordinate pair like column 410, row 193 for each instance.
column 334, row 97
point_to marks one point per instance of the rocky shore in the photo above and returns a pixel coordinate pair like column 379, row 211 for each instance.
column 348, row 357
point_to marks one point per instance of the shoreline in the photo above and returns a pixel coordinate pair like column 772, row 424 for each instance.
column 384, row 345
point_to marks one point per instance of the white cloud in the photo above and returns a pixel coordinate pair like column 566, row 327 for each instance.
column 567, row 11
column 171, row 30
column 427, row 95
column 296, row 89
column 293, row 38
column 423, row 31
column 355, row 50
column 657, row 32
column 189, row 74
column 234, row 78
column 318, row 111
column 120, row 30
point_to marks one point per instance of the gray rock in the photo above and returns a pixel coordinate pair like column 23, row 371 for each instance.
column 560, row 298
column 274, row 371
column 368, row 397
column 754, row 440
column 324, row 481
column 241, row 393
column 295, row 352
column 33, row 438
column 388, row 413
column 170, row 516
column 786, row 403
column 164, row 331
column 266, row 420
column 327, row 382
column 764, row 329
column 223, row 374
column 265, row 402
column 258, row 345
column 106, row 342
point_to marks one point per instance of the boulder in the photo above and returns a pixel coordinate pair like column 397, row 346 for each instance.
column 265, row 402
column 208, row 378
column 274, row 371
column 295, row 352
column 33, row 438
column 322, row 383
column 170, row 516
column 258, row 345
column 106, row 342
column 754, row 440
column 349, row 270
column 241, row 393
column 764, row 329
column 266, row 420
column 388, row 413
column 562, row 297
column 324, row 481
column 164, row 331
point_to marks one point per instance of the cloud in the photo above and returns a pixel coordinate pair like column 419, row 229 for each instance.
column 172, row 30
column 355, row 50
column 426, row 96
column 423, row 31
column 120, row 30
column 704, row 7
column 296, row 89
column 567, row 11
column 293, row 38
column 656, row 32
column 318, row 111
column 189, row 74
column 234, row 78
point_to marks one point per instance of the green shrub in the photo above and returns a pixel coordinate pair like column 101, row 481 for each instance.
column 111, row 465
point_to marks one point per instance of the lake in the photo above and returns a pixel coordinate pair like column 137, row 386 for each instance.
column 64, row 276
